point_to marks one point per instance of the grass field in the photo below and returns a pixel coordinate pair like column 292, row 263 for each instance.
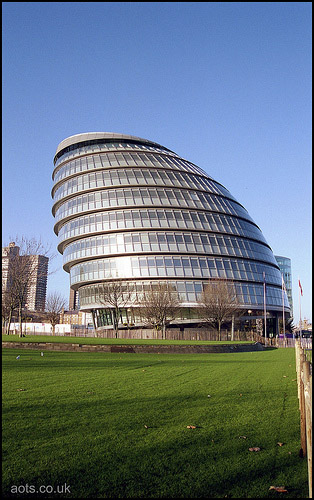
column 102, row 341
column 110, row 425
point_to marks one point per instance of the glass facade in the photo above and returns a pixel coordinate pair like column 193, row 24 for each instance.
column 130, row 209
column 284, row 264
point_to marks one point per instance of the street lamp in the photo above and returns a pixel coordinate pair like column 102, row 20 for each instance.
column 250, row 327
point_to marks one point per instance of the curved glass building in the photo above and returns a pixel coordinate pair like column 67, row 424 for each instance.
column 128, row 208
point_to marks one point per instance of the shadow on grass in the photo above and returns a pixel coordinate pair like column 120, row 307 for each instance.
column 189, row 466
column 100, row 453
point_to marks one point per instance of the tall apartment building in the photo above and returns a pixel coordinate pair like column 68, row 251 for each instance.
column 8, row 253
column 284, row 264
column 35, row 298
column 74, row 301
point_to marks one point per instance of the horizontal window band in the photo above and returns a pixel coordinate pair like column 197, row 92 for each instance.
column 68, row 241
column 166, row 168
column 67, row 267
column 122, row 187
column 128, row 208
column 113, row 140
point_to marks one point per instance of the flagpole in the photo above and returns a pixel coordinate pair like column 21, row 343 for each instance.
column 283, row 310
column 300, row 309
column 265, row 327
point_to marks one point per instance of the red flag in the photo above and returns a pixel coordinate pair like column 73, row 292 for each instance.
column 300, row 288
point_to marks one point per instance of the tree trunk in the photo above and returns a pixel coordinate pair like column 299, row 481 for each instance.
column 164, row 330
column 116, row 322
column 20, row 320
column 7, row 330
column 219, row 331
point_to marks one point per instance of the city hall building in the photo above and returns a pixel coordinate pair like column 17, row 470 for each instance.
column 130, row 209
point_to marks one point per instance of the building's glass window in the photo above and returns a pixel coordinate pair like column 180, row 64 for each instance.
column 251, row 295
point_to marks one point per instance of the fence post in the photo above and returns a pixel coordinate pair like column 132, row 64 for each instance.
column 307, row 378
column 302, row 405
column 297, row 367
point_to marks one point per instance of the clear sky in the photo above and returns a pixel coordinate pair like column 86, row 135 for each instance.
column 225, row 85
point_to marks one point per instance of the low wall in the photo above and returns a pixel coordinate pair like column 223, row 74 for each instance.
column 157, row 349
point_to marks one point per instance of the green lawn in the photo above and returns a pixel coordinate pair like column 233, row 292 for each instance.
column 80, row 421
column 95, row 340
column 102, row 341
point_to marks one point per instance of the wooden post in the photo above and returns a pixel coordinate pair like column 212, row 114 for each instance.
column 307, row 378
column 302, row 406
column 297, row 364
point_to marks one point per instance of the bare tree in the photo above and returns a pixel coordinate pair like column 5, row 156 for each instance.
column 23, row 270
column 218, row 302
column 55, row 303
column 115, row 295
column 160, row 306
column 8, row 306
column 9, row 298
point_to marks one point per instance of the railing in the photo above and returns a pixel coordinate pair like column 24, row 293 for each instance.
column 304, row 379
column 187, row 334
column 306, row 343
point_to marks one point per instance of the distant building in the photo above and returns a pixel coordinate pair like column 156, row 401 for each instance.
column 306, row 326
column 75, row 317
column 74, row 300
column 285, row 267
column 71, row 318
column 35, row 298
column 8, row 253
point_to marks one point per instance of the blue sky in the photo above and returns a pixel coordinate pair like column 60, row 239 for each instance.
column 227, row 86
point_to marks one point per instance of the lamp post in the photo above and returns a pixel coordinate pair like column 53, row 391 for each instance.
column 250, row 327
